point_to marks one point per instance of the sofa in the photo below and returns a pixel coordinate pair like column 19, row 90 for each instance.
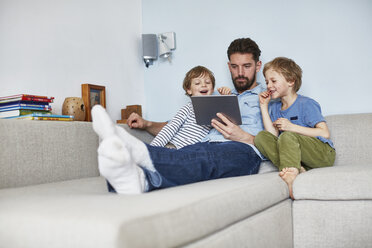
column 51, row 195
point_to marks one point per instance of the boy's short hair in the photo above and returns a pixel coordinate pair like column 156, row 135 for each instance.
column 196, row 72
column 288, row 68
column 244, row 45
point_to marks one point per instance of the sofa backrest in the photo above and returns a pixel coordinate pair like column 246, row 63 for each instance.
column 35, row 152
column 352, row 137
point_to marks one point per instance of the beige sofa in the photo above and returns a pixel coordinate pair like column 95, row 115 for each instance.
column 51, row 195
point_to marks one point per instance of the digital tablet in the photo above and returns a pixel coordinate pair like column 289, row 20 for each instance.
column 206, row 108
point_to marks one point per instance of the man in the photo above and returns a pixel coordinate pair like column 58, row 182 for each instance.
column 133, row 167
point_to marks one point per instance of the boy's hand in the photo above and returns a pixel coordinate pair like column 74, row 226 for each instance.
column 283, row 124
column 224, row 90
column 136, row 121
column 265, row 97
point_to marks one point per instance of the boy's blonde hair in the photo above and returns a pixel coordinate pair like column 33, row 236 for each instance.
column 196, row 72
column 288, row 68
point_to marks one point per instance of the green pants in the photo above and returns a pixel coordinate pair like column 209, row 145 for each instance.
column 293, row 150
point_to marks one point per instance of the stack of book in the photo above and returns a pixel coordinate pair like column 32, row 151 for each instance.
column 30, row 107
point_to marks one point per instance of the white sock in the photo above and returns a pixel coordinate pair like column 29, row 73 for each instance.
column 104, row 127
column 115, row 164
column 114, row 160
column 102, row 124
column 137, row 148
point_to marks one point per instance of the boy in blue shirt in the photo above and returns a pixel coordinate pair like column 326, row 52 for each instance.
column 295, row 131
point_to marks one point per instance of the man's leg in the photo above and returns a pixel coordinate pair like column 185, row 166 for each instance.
column 201, row 162
column 115, row 162
column 104, row 127
column 117, row 167
column 138, row 149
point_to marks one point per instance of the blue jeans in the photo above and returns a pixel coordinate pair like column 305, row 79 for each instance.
column 200, row 162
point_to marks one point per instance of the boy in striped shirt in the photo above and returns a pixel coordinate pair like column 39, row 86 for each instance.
column 182, row 130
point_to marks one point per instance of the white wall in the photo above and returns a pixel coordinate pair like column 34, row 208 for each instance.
column 51, row 47
column 330, row 40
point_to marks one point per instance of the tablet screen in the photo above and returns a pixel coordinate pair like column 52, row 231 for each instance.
column 206, row 108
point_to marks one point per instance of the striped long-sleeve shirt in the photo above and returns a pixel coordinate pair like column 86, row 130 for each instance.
column 182, row 130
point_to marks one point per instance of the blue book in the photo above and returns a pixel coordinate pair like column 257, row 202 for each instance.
column 22, row 103
column 39, row 116
column 41, row 107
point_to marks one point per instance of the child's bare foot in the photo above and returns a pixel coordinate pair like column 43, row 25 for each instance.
column 289, row 175
column 283, row 171
column 302, row 170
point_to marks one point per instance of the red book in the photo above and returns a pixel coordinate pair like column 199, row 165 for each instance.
column 25, row 97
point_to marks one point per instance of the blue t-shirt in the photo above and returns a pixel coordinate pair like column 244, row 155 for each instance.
column 304, row 112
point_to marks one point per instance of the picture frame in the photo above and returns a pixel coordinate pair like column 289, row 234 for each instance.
column 92, row 94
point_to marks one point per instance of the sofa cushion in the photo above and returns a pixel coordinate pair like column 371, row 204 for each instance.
column 82, row 213
column 266, row 167
column 351, row 135
column 352, row 182
column 332, row 224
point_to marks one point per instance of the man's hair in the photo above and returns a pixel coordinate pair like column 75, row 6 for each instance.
column 288, row 68
column 244, row 45
column 196, row 72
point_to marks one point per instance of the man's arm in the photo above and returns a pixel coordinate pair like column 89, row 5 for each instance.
column 137, row 122
column 231, row 131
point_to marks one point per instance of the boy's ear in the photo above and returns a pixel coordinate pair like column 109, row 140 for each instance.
column 189, row 92
column 291, row 83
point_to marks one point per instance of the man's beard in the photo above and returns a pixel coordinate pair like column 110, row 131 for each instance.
column 243, row 86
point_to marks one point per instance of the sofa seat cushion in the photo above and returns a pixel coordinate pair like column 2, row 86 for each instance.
column 81, row 212
column 352, row 182
column 266, row 166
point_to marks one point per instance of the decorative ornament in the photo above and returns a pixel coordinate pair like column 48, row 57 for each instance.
column 74, row 106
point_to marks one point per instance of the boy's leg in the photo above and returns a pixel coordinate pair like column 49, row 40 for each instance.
column 266, row 143
column 295, row 148
column 289, row 150
column 315, row 153
column 290, row 158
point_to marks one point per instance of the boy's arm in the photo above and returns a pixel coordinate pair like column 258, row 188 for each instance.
column 320, row 129
column 171, row 129
column 264, row 106
column 137, row 122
